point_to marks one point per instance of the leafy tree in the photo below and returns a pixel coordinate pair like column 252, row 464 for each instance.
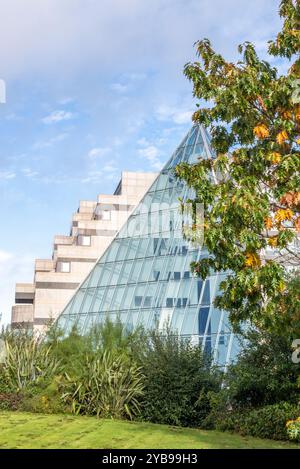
column 251, row 187
column 264, row 373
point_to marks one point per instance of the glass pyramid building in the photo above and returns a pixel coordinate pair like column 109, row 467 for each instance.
column 144, row 276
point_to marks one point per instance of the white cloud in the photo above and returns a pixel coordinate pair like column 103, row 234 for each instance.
column 111, row 167
column 51, row 141
column 29, row 173
column 90, row 32
column 4, row 257
column 12, row 116
column 66, row 100
column 98, row 152
column 151, row 153
column 143, row 142
column 5, row 175
column 175, row 114
column 58, row 116
column 118, row 87
column 92, row 177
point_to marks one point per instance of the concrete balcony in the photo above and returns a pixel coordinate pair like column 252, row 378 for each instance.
column 44, row 265
column 21, row 314
column 65, row 240
column 24, row 292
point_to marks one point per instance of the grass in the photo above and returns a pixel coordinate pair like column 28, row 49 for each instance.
column 25, row 430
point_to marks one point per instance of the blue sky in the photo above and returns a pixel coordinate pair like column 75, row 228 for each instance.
column 94, row 88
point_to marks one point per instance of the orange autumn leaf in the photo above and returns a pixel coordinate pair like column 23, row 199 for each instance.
column 268, row 223
column 290, row 199
column 275, row 157
column 286, row 114
column 297, row 113
column 283, row 214
column 261, row 102
column 297, row 224
column 272, row 242
column 261, row 131
column 282, row 137
column 252, row 260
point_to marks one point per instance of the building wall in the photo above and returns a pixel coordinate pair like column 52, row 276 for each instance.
column 93, row 227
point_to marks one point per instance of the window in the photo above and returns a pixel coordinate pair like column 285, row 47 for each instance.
column 176, row 275
column 83, row 240
column 105, row 215
column 147, row 301
column 64, row 267
column 138, row 300
column 169, row 303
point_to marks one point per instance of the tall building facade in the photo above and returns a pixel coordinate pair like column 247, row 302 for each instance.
column 144, row 276
column 93, row 227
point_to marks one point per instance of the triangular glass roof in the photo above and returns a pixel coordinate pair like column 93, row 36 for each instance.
column 144, row 276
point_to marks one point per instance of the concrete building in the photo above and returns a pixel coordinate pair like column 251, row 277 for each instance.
column 93, row 227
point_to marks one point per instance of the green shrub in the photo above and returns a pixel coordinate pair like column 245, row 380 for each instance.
column 46, row 398
column 178, row 378
column 110, row 386
column 264, row 373
column 11, row 401
column 266, row 422
column 112, row 337
column 28, row 361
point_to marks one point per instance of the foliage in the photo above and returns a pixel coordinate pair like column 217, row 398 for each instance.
column 73, row 349
column 11, row 401
column 293, row 429
column 250, row 187
column 265, row 422
column 109, row 386
column 46, row 399
column 28, row 361
column 178, row 377
column 264, row 372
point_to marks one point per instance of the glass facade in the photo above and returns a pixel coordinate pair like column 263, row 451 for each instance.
column 144, row 276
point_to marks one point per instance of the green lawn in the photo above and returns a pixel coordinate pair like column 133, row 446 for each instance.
column 24, row 430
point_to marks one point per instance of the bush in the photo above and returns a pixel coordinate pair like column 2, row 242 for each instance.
column 112, row 337
column 109, row 386
column 11, row 401
column 45, row 399
column 264, row 373
column 266, row 422
column 293, row 429
column 178, row 378
column 28, row 361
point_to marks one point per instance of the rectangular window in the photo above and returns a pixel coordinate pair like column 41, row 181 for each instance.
column 147, row 301
column 176, row 275
column 138, row 300
column 169, row 303
column 63, row 267
column 83, row 240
